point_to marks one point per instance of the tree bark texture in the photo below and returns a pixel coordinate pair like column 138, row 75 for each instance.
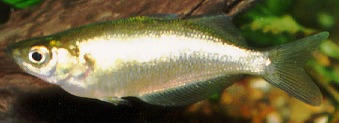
column 24, row 98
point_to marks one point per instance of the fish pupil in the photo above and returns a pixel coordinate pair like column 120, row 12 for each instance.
column 36, row 56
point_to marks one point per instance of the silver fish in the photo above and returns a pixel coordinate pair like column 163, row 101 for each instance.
column 163, row 61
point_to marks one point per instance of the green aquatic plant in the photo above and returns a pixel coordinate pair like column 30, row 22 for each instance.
column 20, row 4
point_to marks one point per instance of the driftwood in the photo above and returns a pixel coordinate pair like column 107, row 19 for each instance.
column 24, row 98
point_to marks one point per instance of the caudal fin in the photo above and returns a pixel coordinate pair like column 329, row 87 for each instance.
column 286, row 69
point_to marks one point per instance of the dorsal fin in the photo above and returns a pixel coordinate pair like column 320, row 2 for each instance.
column 164, row 16
column 221, row 24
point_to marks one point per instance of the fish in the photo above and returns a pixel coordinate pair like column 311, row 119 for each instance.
column 164, row 61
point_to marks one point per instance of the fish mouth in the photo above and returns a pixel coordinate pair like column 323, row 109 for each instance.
column 9, row 52
column 15, row 57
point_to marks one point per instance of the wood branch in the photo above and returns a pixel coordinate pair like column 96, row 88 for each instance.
column 26, row 98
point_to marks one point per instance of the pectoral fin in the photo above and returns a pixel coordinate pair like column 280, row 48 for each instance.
column 114, row 100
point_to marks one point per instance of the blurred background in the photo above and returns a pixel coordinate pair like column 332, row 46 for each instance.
column 268, row 23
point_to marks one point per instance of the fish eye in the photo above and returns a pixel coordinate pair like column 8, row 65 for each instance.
column 38, row 54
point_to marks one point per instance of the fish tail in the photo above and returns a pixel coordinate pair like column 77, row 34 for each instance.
column 286, row 68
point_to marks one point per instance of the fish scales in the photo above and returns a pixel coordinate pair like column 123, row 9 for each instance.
column 161, row 61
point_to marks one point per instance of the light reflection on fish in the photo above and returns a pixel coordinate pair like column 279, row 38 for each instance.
column 163, row 61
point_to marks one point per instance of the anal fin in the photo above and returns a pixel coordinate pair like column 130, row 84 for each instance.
column 189, row 93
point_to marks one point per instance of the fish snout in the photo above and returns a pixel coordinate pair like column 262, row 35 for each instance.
column 13, row 53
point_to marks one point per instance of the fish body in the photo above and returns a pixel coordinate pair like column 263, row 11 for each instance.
column 162, row 61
